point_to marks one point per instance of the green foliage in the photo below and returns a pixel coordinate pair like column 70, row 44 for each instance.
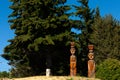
column 42, row 28
column 20, row 71
column 4, row 74
column 109, row 70
column 86, row 16
column 105, row 38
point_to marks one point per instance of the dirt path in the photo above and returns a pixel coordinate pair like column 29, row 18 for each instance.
column 54, row 78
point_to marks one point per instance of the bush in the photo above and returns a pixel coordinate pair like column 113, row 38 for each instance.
column 4, row 74
column 108, row 70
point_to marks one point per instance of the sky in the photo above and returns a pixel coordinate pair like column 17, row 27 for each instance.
column 106, row 7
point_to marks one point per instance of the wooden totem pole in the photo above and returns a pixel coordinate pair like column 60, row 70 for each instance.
column 91, row 62
column 73, row 60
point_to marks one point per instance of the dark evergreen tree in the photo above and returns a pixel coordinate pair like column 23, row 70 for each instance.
column 86, row 16
column 42, row 31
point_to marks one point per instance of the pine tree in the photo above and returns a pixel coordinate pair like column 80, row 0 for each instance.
column 86, row 16
column 105, row 38
column 42, row 31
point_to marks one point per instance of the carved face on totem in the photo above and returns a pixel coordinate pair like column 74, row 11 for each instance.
column 72, row 50
column 91, row 56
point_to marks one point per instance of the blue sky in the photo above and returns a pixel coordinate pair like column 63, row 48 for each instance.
column 106, row 7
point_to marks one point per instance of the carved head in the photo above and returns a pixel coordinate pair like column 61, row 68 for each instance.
column 72, row 44
column 90, row 47
column 72, row 50
column 91, row 56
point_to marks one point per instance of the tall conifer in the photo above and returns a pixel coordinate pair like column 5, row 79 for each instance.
column 42, row 30
column 86, row 16
column 105, row 38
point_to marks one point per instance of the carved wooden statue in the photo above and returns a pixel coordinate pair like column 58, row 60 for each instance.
column 91, row 64
column 72, row 60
